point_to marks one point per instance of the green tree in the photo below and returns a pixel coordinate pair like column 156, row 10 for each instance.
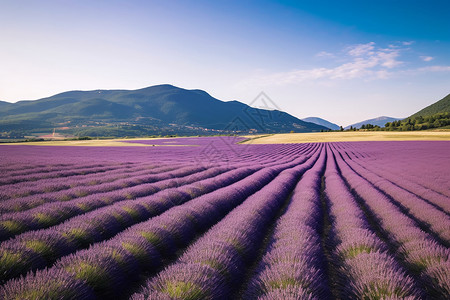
column 437, row 124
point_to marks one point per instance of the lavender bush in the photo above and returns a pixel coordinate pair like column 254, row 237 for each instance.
column 206, row 218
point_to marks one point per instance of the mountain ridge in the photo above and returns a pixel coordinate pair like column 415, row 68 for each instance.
column 323, row 122
column 379, row 121
column 440, row 106
column 156, row 109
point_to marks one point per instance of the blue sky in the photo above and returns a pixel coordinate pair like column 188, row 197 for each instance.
column 345, row 61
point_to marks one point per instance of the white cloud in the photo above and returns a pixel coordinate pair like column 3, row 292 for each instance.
column 363, row 61
column 361, row 49
column 427, row 58
column 435, row 69
column 359, row 61
column 408, row 43
column 325, row 54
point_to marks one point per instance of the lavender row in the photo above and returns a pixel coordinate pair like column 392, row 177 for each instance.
column 48, row 185
column 26, row 203
column 437, row 221
column 212, row 266
column 101, row 223
column 54, row 213
column 292, row 267
column 25, row 155
column 27, row 188
column 433, row 197
column 10, row 166
column 421, row 252
column 32, row 175
column 364, row 267
column 56, row 168
column 106, row 268
column 429, row 160
column 79, row 232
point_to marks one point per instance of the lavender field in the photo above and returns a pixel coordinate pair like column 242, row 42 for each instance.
column 207, row 218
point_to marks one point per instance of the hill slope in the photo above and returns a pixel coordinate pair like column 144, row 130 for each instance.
column 441, row 106
column 4, row 104
column 380, row 121
column 323, row 122
column 161, row 109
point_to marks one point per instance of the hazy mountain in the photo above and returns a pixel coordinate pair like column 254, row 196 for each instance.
column 160, row 109
column 323, row 122
column 380, row 121
column 4, row 104
column 440, row 106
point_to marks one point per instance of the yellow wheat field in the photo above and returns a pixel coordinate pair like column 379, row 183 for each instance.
column 351, row 136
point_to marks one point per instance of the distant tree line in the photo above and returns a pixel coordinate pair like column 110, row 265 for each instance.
column 416, row 123
column 419, row 123
column 370, row 127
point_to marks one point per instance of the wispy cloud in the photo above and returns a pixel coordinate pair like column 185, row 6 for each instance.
column 361, row 49
column 325, row 54
column 426, row 58
column 365, row 61
column 435, row 69
column 408, row 43
column 356, row 61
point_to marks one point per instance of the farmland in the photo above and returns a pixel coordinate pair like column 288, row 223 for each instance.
column 353, row 136
column 213, row 219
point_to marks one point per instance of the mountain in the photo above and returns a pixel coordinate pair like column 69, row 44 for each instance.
column 323, row 122
column 441, row 106
column 161, row 109
column 380, row 121
column 4, row 104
